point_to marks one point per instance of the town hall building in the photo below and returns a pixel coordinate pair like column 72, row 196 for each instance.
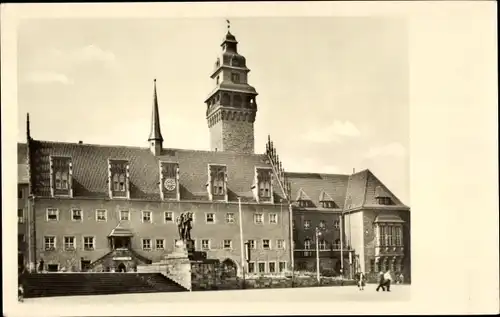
column 86, row 207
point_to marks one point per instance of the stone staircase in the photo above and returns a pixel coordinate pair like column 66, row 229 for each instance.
column 75, row 284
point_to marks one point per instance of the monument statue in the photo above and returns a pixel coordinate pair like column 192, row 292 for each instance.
column 184, row 225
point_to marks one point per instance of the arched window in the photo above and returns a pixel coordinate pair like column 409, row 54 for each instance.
column 237, row 101
column 336, row 245
column 307, row 244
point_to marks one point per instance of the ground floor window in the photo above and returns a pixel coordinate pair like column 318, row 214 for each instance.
column 53, row 267
column 282, row 266
column 272, row 267
column 251, row 267
column 262, row 267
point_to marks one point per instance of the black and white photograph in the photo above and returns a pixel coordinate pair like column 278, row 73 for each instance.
column 167, row 160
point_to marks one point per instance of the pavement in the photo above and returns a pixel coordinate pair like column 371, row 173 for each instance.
column 313, row 294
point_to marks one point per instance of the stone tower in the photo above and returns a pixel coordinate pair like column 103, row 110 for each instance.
column 231, row 106
column 155, row 138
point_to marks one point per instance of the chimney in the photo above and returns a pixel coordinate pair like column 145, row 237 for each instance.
column 80, row 142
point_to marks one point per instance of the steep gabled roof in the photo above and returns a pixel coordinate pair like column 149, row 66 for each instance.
column 22, row 168
column 90, row 164
column 301, row 195
column 324, row 196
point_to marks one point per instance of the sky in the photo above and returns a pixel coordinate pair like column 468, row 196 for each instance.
column 333, row 91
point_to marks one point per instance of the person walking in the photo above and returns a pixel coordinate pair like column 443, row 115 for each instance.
column 401, row 278
column 381, row 281
column 361, row 281
column 388, row 280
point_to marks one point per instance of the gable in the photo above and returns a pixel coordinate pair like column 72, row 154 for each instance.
column 376, row 189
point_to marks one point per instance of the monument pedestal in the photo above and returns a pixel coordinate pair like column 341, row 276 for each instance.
column 178, row 264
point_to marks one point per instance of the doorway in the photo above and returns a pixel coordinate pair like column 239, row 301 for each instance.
column 122, row 268
column 85, row 265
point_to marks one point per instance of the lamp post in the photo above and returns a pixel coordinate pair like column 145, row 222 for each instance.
column 318, row 233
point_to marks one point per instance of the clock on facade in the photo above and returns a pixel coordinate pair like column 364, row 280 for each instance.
column 170, row 184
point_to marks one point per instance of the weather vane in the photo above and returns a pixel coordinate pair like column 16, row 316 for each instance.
column 228, row 25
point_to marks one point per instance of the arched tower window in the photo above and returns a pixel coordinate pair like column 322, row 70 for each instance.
column 58, row 180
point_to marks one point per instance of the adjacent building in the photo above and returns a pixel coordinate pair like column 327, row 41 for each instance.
column 111, row 208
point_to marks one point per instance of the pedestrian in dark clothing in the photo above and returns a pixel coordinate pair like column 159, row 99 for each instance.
column 40, row 266
column 381, row 282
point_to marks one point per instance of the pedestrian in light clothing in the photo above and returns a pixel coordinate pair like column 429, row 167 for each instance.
column 361, row 281
column 388, row 280
column 381, row 281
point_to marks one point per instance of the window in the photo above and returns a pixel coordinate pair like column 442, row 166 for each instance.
column 336, row 245
column 389, row 236
column 76, row 215
column 399, row 241
column 272, row 267
column 273, row 218
column 160, row 244
column 52, row 214
column 266, row 244
column 146, row 216
column 303, row 203
column 322, row 224
column 101, row 215
column 20, row 215
column 322, row 245
column 205, row 244
column 124, row 215
column 218, row 176
column 336, row 224
column 169, row 216
column 328, row 204
column 49, row 243
column 20, row 193
column 384, row 200
column 307, row 224
column 210, row 217
column 258, row 218
column 251, row 267
column 69, row 243
column 282, row 266
column 88, row 243
column 280, row 244
column 251, row 244
column 146, row 244
column 262, row 267
column 217, row 80
column 264, row 183
column 229, row 217
column 61, row 180
column 307, row 244
column 235, row 78
column 228, row 244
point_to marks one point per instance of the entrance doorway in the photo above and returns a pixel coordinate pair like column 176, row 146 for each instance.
column 85, row 265
column 122, row 268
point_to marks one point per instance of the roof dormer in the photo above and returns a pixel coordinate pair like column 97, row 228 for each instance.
column 326, row 200
column 303, row 200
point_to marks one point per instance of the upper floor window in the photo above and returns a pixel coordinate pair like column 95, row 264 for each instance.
column 266, row 244
column 304, row 203
column 307, row 224
column 237, row 100
column 336, row 245
column 322, row 224
column 264, row 183
column 336, row 224
column 210, row 217
column 205, row 244
column 118, row 178
column 52, row 214
column 217, row 80
column 273, row 218
column 160, row 244
column 280, row 244
column 228, row 244
column 101, row 215
column 49, row 242
column 76, row 215
column 384, row 200
column 258, row 218
column 20, row 193
column 61, row 172
column 88, row 243
column 235, row 78
column 119, row 182
column 251, row 244
column 218, row 180
column 69, row 243
column 124, row 215
column 169, row 217
column 146, row 244
column 147, row 216
column 328, row 204
column 229, row 217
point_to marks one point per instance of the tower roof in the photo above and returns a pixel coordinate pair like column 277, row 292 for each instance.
column 229, row 38
column 155, row 119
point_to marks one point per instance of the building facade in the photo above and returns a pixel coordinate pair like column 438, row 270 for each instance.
column 111, row 208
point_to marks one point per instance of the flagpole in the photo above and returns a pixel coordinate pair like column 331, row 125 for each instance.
column 242, row 243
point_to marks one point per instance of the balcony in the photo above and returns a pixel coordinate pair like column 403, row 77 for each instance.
column 389, row 250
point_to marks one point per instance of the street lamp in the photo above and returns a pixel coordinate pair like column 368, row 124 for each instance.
column 318, row 233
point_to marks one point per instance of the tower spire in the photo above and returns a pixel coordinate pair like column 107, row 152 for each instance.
column 155, row 137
